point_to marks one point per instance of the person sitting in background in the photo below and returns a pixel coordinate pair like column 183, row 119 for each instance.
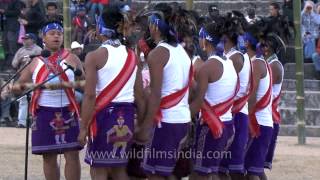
column 309, row 28
column 77, row 49
column 52, row 13
column 316, row 58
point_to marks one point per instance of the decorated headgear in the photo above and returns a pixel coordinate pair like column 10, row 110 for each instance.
column 203, row 34
column 103, row 30
column 52, row 26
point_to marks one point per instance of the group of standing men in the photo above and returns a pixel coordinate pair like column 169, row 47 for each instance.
column 230, row 96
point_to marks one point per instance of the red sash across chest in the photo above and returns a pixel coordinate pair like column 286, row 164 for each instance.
column 261, row 104
column 173, row 99
column 51, row 65
column 211, row 114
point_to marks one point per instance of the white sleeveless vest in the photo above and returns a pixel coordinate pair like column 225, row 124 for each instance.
column 264, row 116
column 244, row 77
column 222, row 89
column 276, row 88
column 117, row 57
column 53, row 98
column 175, row 77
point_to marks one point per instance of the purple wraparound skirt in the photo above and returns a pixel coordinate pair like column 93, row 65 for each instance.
column 115, row 127
column 257, row 149
column 272, row 146
column 54, row 130
column 238, row 146
column 162, row 152
column 210, row 151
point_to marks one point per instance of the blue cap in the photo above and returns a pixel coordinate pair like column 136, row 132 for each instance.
column 30, row 36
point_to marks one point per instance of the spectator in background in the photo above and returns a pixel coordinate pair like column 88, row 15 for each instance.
column 91, row 36
column 19, row 60
column 35, row 18
column 29, row 48
column 11, row 29
column 52, row 13
column 251, row 17
column 316, row 58
column 287, row 10
column 77, row 49
column 97, row 5
column 80, row 25
column 309, row 28
column 213, row 12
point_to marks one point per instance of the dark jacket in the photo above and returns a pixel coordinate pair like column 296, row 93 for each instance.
column 36, row 18
column 12, row 14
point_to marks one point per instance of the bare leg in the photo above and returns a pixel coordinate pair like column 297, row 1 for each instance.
column 264, row 176
column 252, row 177
column 224, row 176
column 215, row 177
column 196, row 176
column 155, row 177
column 50, row 167
column 237, row 176
column 172, row 177
column 99, row 173
column 72, row 170
column 119, row 173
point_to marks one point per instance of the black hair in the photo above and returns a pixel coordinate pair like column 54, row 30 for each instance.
column 50, row 4
column 232, row 26
column 256, row 31
column 275, row 5
column 112, row 18
column 214, row 29
column 169, row 35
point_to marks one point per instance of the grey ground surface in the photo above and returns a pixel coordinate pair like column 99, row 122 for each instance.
column 292, row 161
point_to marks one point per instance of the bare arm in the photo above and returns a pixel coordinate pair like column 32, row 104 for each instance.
column 259, row 70
column 276, row 72
column 156, row 61
column 89, row 98
column 201, row 88
column 237, row 60
column 75, row 62
column 138, row 95
column 209, row 72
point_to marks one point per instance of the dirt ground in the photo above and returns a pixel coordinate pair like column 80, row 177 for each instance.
column 292, row 162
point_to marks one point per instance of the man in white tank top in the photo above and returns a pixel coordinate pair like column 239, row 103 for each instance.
column 167, row 116
column 113, row 85
column 55, row 125
column 270, row 46
column 216, row 89
column 259, row 110
column 235, row 165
